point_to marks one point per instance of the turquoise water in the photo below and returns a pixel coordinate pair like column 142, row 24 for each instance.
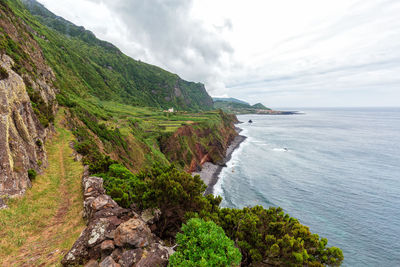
column 340, row 176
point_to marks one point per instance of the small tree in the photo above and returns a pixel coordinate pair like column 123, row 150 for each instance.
column 204, row 243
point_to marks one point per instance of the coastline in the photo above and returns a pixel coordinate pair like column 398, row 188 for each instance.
column 210, row 172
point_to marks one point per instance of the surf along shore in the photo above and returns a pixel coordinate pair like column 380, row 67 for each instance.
column 210, row 172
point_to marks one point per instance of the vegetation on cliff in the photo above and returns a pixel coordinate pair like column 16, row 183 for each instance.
column 262, row 235
column 113, row 105
column 86, row 66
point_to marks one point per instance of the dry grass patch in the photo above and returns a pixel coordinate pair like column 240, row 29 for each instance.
column 41, row 226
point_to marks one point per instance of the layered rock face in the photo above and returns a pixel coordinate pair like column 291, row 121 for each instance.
column 27, row 101
column 21, row 134
column 195, row 146
column 115, row 236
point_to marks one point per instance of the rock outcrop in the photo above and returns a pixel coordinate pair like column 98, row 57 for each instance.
column 27, row 101
column 115, row 236
column 21, row 134
column 207, row 143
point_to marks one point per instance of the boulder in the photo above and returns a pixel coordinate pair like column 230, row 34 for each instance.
column 107, row 245
column 151, row 216
column 109, row 262
column 155, row 255
column 92, row 205
column 130, row 257
column 87, row 245
column 133, row 233
column 117, row 254
column 92, row 263
column 92, row 187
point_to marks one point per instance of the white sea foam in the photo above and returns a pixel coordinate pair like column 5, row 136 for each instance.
column 280, row 149
column 230, row 165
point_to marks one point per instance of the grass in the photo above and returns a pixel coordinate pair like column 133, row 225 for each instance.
column 42, row 225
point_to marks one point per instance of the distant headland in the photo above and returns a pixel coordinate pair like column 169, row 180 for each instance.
column 236, row 106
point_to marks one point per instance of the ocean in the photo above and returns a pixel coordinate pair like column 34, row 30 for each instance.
column 340, row 175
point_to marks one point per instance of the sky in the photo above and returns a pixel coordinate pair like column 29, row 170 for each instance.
column 285, row 53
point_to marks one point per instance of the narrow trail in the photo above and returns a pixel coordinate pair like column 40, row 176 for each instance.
column 57, row 220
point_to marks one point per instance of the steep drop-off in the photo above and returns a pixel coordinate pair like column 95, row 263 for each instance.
column 193, row 145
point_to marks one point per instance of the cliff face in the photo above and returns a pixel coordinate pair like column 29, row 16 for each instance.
column 21, row 134
column 193, row 145
column 27, row 104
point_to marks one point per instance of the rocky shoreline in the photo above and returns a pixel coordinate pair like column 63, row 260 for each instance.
column 210, row 172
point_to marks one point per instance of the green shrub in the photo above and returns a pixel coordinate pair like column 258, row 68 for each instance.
column 204, row 243
column 270, row 235
column 32, row 174
column 172, row 191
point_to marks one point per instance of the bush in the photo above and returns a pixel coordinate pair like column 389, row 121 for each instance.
column 172, row 191
column 32, row 174
column 204, row 244
column 273, row 237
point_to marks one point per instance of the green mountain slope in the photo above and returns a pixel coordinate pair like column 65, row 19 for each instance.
column 230, row 99
column 86, row 66
column 236, row 106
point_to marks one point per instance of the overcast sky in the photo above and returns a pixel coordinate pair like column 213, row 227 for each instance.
column 285, row 53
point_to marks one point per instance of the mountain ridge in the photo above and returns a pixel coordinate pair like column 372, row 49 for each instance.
column 100, row 69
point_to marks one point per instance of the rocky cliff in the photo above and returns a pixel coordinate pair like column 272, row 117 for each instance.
column 21, row 134
column 27, row 104
column 193, row 145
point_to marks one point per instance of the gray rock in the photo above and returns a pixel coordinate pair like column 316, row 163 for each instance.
column 109, row 262
column 87, row 245
column 151, row 216
column 133, row 233
column 155, row 255
column 92, row 263
column 92, row 205
column 92, row 187
column 107, row 245
column 117, row 254
column 20, row 128
column 130, row 257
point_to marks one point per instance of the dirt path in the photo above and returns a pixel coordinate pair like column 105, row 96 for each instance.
column 57, row 221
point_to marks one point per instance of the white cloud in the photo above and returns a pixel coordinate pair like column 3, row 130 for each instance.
column 282, row 53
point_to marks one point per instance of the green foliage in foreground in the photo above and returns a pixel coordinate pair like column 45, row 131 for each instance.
column 205, row 244
column 262, row 235
column 271, row 236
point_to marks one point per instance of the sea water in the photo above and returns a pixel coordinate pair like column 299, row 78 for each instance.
column 340, row 175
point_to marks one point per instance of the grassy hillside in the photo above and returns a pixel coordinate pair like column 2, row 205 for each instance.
column 86, row 66
column 239, row 107
column 230, row 99
column 114, row 103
